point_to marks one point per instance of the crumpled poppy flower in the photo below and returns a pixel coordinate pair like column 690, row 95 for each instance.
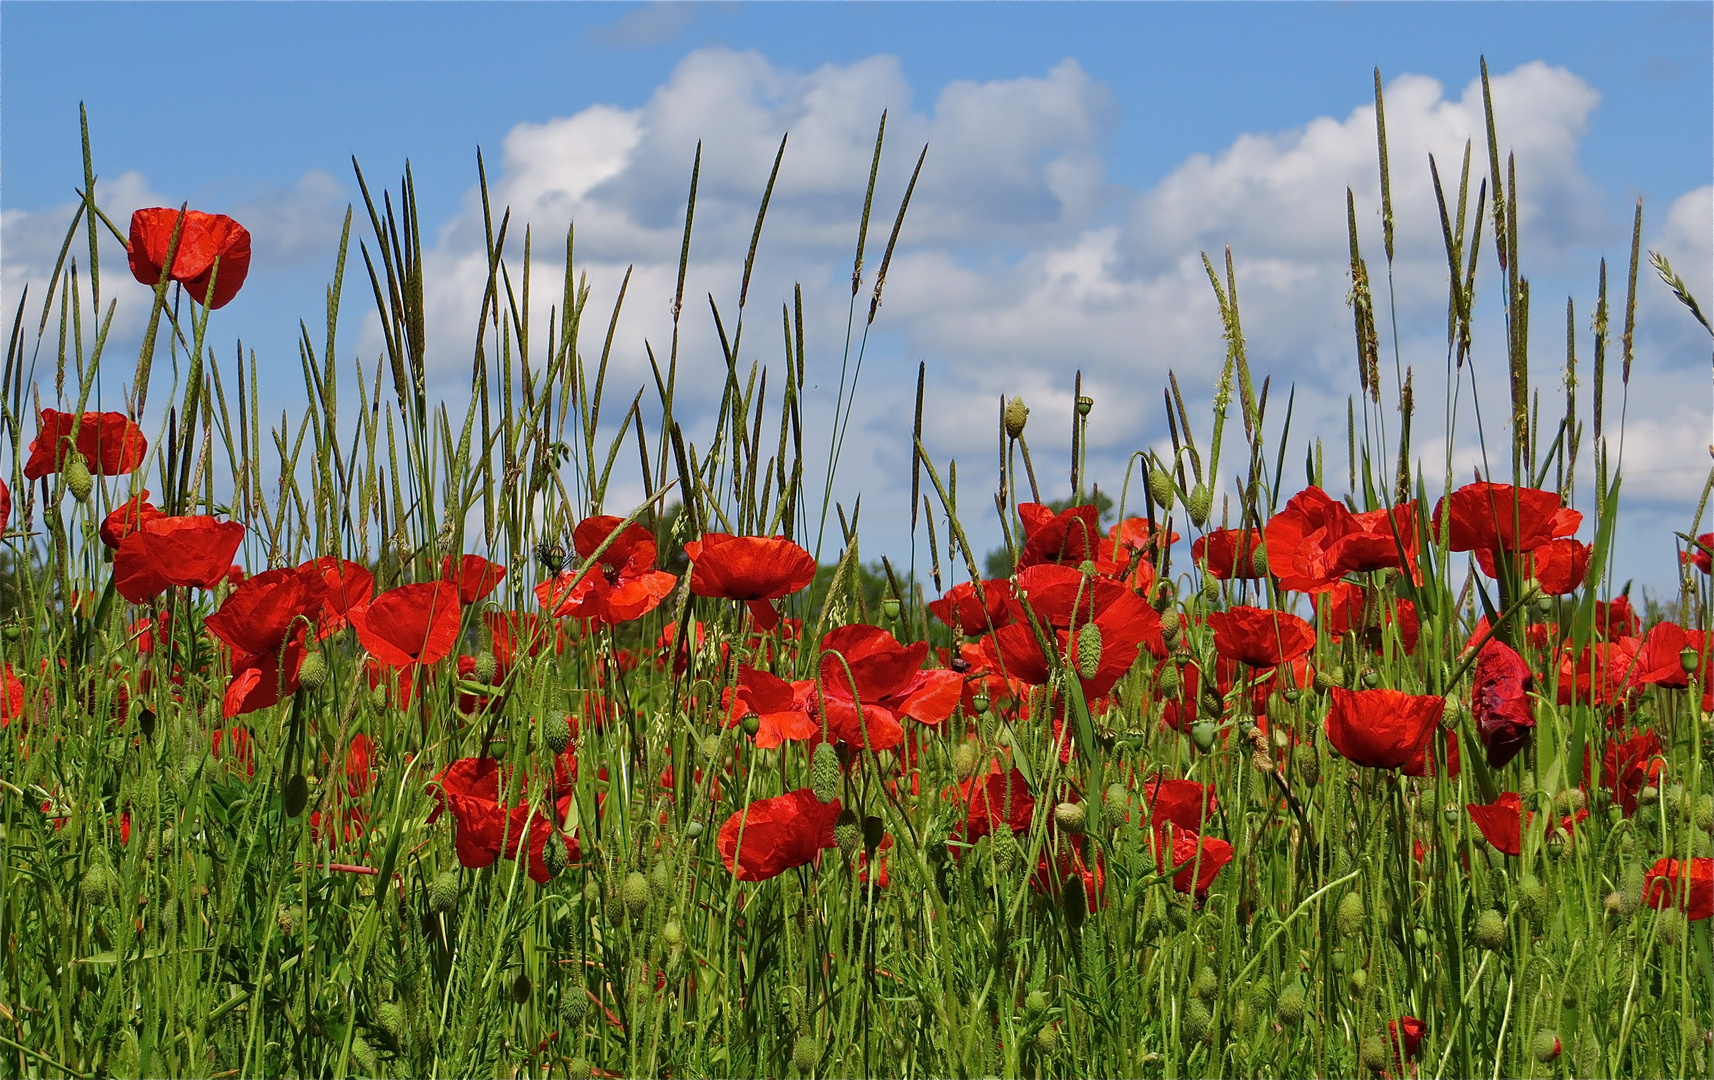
column 1315, row 540
column 1200, row 858
column 1381, row 729
column 1354, row 609
column 1406, row 1034
column 1068, row 537
column 960, row 608
column 1701, row 554
column 623, row 585
column 771, row 836
column 782, row 708
column 753, row 569
column 11, row 695
column 165, row 551
column 1499, row 702
column 1137, row 545
column 1260, row 637
column 1230, row 554
column 1629, row 765
column 1558, row 566
column 202, row 239
column 261, row 619
column 476, row 577
column 1685, row 884
column 1500, row 517
column 486, row 828
column 1615, row 619
column 109, row 443
column 233, row 746
column 412, row 624
column 889, row 684
column 127, row 518
column 990, row 801
column 1501, row 822
column 1185, row 803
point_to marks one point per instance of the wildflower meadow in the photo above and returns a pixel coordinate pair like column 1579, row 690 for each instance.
column 377, row 741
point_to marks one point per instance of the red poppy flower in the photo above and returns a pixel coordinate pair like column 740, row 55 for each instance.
column 1135, row 544
column 1684, row 884
column 193, row 551
column 960, row 608
column 1381, row 729
column 516, row 634
column 233, row 746
column 127, row 518
column 486, row 828
column 1604, row 675
column 475, row 577
column 889, row 684
column 1061, row 598
column 1068, row 537
column 202, row 239
column 1406, row 1034
column 1230, row 554
column 11, row 695
column 1185, row 803
column 1260, row 637
column 771, row 836
column 1500, row 517
column 990, row 801
column 412, row 624
column 1200, row 857
column 1701, row 554
column 783, row 708
column 109, row 443
column 623, row 585
column 349, row 585
column 1354, row 609
column 1628, row 766
column 1501, row 822
column 262, row 618
column 1315, row 540
column 1055, row 871
column 1499, row 702
column 753, row 569
column 1426, row 761
column 1660, row 663
column 1615, row 619
column 1558, row 565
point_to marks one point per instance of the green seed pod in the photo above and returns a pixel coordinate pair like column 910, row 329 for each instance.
column 312, row 673
column 980, row 700
column 1170, row 680
column 1115, row 807
column 295, row 796
column 672, row 934
column 824, row 773
column 693, row 830
column 1046, row 1038
column 1546, row 1045
column 1350, row 916
column 890, row 607
column 1374, row 1053
column 964, row 761
column 1206, row 984
column 1371, row 679
column 1687, row 659
column 806, row 1051
column 556, row 734
column 1200, row 503
column 1036, row 1002
column 443, row 892
column 1669, row 927
column 1085, row 403
column 521, row 987
column 848, row 832
column 1196, row 1023
column 1420, row 937
column 1017, row 414
column 1071, row 817
column 1491, row 930
column 1089, row 651
column 77, row 478
column 1202, row 734
column 1160, row 487
column 635, row 894
column 1291, row 1005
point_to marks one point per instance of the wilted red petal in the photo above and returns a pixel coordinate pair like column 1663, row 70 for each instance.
column 1499, row 702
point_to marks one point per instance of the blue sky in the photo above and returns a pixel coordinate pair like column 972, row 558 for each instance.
column 1063, row 183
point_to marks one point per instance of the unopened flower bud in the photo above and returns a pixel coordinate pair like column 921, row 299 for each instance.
column 521, row 987
column 848, row 832
column 1546, row 1046
column 553, row 856
column 443, row 893
column 485, row 666
column 807, row 1050
column 1046, row 1038
column 295, row 796
column 1291, row 1005
column 1491, row 930
column 556, row 734
column 1669, row 927
column 1196, row 1023
column 964, row 761
column 77, row 478
column 312, row 673
column 1374, row 1053
column 1089, row 651
column 1350, row 916
column 635, row 894
column 1170, row 681
column 1206, row 984
column 1201, row 501
column 1017, row 414
column 1070, row 817
column 824, row 773
column 1160, row 487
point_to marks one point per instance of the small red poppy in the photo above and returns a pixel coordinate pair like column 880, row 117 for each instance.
column 1501, row 822
column 1381, row 729
column 260, row 620
column 1558, row 565
column 1261, row 637
column 1629, row 765
column 1499, row 702
column 475, row 577
column 1701, row 554
column 1068, row 537
column 624, row 585
column 202, row 239
column 1685, row 884
column 11, row 695
column 782, row 708
column 412, row 624
column 960, row 608
column 888, row 682
column 1200, row 858
column 1185, row 803
column 5, row 505
column 1230, row 554
column 771, row 836
column 753, row 569
column 1406, row 1033
column 990, row 801
column 1661, row 661
column 165, row 551
column 1500, row 517
column 109, row 443
column 1315, row 540
column 487, row 828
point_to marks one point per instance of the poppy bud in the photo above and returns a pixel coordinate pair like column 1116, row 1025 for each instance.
column 556, row 734
column 484, row 667
column 1196, row 1022
column 1202, row 734
column 100, row 884
column 672, row 934
column 693, row 830
column 1420, row 937
column 1036, row 1003
column 13, row 632
column 873, row 832
column 1340, row 961
column 77, row 478
column 1201, row 501
column 1702, row 816
column 1210, row 587
column 575, row 1007
column 1074, row 902
column 579, row 1069
column 553, row 856
column 1309, row 767
column 312, row 673
column 1017, row 414
column 295, row 796
column 443, row 892
column 805, row 1053
column 1648, row 796
column 635, row 894
column 1532, row 897
column 1259, row 561
column 1160, row 487
column 521, row 987
column 890, row 607
column 1084, row 405
column 1359, row 982
column 848, row 832
column 146, row 721
column 751, row 723
column 1291, row 1005
column 1170, row 682
column 1206, row 985
column 1325, row 678
column 1070, row 817
column 1350, row 916
column 1089, row 651
column 1546, row 1046
column 660, row 879
column 1491, row 930
column 1374, row 1053
column 1116, row 806
column 824, row 773
column 964, row 761
column 1047, row 1037
column 1669, row 927
column 1005, row 847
